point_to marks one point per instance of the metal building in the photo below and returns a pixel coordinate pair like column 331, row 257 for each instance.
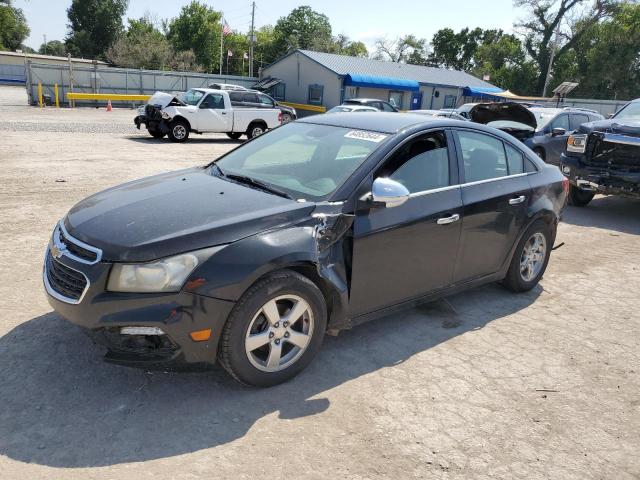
column 326, row 79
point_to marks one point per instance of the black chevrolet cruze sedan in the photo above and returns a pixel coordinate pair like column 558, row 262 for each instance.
column 311, row 228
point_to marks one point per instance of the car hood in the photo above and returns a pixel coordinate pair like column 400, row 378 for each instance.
column 612, row 125
column 162, row 100
column 176, row 212
column 504, row 111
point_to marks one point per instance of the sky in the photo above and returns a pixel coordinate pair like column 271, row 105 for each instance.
column 364, row 20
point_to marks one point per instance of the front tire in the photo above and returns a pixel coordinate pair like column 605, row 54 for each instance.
column 234, row 135
column 286, row 118
column 179, row 131
column 274, row 331
column 530, row 259
column 579, row 197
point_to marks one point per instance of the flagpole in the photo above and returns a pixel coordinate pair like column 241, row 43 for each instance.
column 221, row 41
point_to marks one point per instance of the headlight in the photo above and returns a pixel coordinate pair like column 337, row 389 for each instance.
column 166, row 275
column 577, row 143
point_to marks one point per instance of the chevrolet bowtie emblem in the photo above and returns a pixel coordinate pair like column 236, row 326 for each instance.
column 56, row 252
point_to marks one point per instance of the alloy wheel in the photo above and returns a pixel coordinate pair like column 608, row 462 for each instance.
column 257, row 131
column 533, row 256
column 179, row 132
column 279, row 333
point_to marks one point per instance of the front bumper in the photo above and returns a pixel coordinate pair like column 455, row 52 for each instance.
column 600, row 180
column 102, row 313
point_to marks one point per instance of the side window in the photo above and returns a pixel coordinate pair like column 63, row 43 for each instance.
column 214, row 101
column 264, row 100
column 576, row 120
column 251, row 98
column 395, row 99
column 315, row 94
column 561, row 121
column 450, row 101
column 421, row 164
column 483, row 156
column 378, row 105
column 386, row 107
column 515, row 160
column 235, row 97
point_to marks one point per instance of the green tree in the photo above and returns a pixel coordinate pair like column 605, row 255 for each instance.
column 53, row 47
column 606, row 60
column 343, row 45
column 303, row 28
column 13, row 26
column 407, row 49
column 142, row 46
column 265, row 50
column 197, row 28
column 94, row 25
column 572, row 18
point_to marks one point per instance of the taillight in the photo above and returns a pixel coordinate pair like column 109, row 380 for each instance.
column 280, row 117
column 565, row 185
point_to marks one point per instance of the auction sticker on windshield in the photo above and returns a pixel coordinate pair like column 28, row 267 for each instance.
column 364, row 135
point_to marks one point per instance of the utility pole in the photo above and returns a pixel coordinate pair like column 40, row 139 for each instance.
column 45, row 44
column 554, row 45
column 252, row 39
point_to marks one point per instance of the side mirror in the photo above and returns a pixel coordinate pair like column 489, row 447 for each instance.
column 388, row 192
column 557, row 132
column 610, row 115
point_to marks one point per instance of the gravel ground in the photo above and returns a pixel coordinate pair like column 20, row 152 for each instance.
column 487, row 385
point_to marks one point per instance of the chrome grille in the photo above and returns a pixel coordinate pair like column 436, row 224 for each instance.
column 66, row 282
column 74, row 248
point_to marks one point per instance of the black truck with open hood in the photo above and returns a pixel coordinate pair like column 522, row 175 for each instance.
column 604, row 157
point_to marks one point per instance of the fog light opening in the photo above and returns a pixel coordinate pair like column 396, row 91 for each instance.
column 141, row 331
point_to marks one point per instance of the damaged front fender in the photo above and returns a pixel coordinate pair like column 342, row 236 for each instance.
column 322, row 243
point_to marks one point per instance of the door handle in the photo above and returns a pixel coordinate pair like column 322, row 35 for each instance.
column 223, row 113
column 450, row 219
column 517, row 200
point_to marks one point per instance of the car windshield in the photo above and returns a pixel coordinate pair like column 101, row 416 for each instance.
column 340, row 109
column 543, row 116
column 192, row 97
column 304, row 160
column 630, row 112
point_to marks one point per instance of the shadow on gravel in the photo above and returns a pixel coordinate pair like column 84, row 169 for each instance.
column 63, row 407
column 610, row 213
column 192, row 139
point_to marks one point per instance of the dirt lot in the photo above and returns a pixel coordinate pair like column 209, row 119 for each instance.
column 539, row 385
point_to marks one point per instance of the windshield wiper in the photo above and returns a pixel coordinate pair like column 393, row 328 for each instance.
column 256, row 183
column 222, row 174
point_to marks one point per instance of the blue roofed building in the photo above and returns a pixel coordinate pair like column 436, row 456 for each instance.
column 324, row 80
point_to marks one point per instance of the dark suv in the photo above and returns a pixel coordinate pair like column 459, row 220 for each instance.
column 604, row 157
column 254, row 99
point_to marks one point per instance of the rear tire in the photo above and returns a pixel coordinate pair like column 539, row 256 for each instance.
column 234, row 135
column 579, row 197
column 530, row 258
column 256, row 129
column 260, row 344
column 179, row 131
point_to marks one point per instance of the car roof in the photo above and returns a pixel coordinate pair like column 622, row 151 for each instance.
column 384, row 122
column 364, row 100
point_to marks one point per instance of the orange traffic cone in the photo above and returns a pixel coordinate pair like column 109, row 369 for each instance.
column 109, row 107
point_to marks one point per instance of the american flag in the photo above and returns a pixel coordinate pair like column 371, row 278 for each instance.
column 226, row 29
column 229, row 53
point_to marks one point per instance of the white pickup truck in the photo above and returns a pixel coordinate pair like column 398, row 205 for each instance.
column 202, row 110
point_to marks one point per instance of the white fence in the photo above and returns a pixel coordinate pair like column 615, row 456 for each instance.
column 99, row 79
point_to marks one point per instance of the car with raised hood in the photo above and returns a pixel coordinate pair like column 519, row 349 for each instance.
column 604, row 157
column 203, row 110
column 544, row 130
column 314, row 227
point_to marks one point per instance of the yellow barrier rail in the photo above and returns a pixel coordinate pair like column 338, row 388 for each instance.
column 107, row 96
column 304, row 106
